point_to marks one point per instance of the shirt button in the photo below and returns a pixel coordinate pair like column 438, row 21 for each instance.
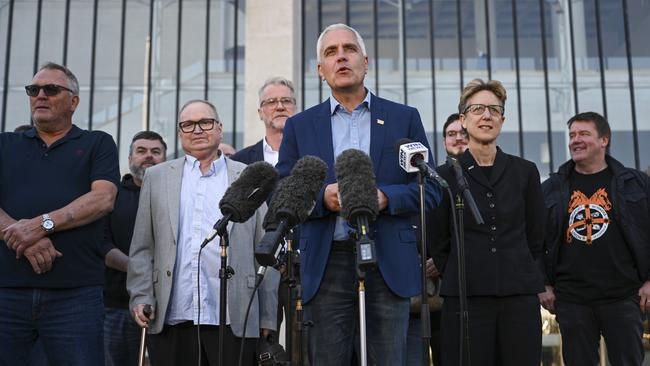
column 493, row 239
column 491, row 205
column 489, row 194
column 493, row 227
column 169, row 273
column 493, row 218
column 493, row 250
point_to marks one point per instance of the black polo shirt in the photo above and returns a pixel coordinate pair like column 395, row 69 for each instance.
column 34, row 180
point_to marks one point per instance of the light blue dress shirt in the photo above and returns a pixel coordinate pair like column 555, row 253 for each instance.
column 350, row 130
column 199, row 210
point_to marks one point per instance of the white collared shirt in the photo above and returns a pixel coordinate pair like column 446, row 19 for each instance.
column 270, row 156
column 199, row 210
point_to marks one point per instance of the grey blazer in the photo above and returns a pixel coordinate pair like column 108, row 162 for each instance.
column 153, row 253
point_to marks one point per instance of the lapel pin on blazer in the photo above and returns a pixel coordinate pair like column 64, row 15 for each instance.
column 380, row 122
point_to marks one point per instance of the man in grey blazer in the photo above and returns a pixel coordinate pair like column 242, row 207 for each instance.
column 178, row 205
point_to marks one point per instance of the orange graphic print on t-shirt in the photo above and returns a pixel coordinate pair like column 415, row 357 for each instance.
column 588, row 216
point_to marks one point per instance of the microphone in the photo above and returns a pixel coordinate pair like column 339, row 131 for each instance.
column 464, row 187
column 413, row 157
column 358, row 195
column 244, row 196
column 290, row 205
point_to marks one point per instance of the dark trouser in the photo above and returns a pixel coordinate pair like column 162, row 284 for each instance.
column 334, row 314
column 178, row 345
column 68, row 322
column 121, row 338
column 503, row 331
column 620, row 324
column 414, row 340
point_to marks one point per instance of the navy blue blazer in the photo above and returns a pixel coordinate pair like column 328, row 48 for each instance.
column 250, row 154
column 310, row 133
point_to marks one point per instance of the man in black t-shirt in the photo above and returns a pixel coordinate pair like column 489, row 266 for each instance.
column 597, row 262
column 121, row 332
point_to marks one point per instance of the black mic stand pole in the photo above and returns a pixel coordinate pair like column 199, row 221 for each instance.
column 424, row 303
column 464, row 350
column 291, row 284
column 225, row 273
column 462, row 284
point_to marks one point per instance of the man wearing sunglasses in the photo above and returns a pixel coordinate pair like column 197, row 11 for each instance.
column 179, row 203
column 57, row 182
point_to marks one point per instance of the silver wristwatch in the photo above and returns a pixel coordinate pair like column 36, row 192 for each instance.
column 47, row 223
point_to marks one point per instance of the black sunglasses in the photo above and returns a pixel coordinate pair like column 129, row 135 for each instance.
column 49, row 89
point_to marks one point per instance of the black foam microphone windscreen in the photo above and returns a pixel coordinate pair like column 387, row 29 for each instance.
column 249, row 191
column 357, row 189
column 294, row 196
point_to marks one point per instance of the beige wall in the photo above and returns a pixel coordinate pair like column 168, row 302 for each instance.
column 272, row 49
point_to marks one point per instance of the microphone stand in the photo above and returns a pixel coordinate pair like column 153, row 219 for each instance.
column 365, row 249
column 459, row 231
column 424, row 303
column 291, row 284
column 225, row 273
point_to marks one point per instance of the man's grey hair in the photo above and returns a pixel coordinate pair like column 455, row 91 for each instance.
column 73, row 83
column 214, row 109
column 336, row 26
column 276, row 80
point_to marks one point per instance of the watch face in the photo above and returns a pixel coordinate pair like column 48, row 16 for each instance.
column 48, row 224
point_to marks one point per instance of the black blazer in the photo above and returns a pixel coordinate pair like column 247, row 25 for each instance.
column 501, row 255
column 250, row 154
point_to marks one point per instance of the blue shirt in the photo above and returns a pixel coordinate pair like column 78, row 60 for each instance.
column 200, row 196
column 37, row 179
column 350, row 130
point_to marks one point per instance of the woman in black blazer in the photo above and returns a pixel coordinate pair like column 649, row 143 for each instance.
column 503, row 278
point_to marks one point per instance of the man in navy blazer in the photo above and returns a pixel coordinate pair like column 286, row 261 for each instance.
column 277, row 103
column 354, row 118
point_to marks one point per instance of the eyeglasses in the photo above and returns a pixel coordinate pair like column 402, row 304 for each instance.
column 273, row 102
column 49, row 89
column 205, row 124
column 478, row 109
column 453, row 134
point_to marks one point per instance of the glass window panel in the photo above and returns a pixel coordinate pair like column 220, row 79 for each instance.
column 221, row 63
column 134, row 80
column 52, row 28
column 107, row 62
column 193, row 47
column 163, row 71
column 310, row 24
column 20, row 63
column 446, row 59
column 586, row 57
column 390, row 56
column 639, row 28
column 79, row 54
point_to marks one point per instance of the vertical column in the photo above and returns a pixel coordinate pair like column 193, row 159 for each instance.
column 272, row 49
